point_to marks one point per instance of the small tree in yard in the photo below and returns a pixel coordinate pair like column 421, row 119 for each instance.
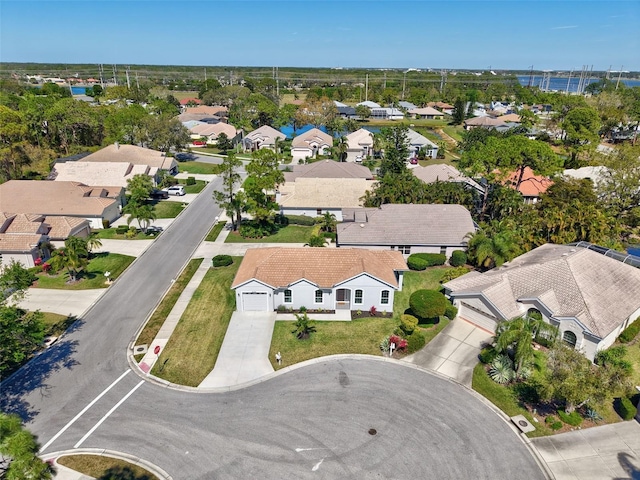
column 224, row 143
column 428, row 304
column 303, row 328
column 19, row 452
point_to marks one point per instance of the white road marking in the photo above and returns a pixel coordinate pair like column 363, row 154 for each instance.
column 55, row 437
column 317, row 465
column 298, row 450
column 108, row 413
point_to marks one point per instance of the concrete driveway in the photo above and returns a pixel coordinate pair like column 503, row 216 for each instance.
column 63, row 302
column 244, row 355
column 609, row 452
column 133, row 248
column 454, row 351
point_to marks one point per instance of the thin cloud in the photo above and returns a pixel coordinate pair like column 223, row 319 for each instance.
column 564, row 27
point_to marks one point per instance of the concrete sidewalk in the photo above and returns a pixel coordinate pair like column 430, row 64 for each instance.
column 244, row 355
column 454, row 351
column 609, row 452
column 169, row 325
column 65, row 473
column 63, row 302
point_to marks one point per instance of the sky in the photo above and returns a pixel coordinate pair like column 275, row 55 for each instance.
column 452, row 34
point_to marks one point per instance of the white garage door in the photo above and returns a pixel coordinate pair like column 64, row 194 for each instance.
column 255, row 301
column 477, row 317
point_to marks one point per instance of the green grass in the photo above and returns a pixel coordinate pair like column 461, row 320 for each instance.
column 215, row 231
column 454, row 132
column 199, row 167
column 168, row 209
column 413, row 280
column 288, row 234
column 56, row 324
column 101, row 467
column 196, row 188
column 505, row 398
column 152, row 327
column 110, row 234
column 92, row 277
column 193, row 348
column 633, row 356
column 357, row 336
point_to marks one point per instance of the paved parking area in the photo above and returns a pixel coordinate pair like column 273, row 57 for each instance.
column 609, row 452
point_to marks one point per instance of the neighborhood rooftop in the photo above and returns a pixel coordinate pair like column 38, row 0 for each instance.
column 324, row 192
column 132, row 154
column 328, row 169
column 324, row 267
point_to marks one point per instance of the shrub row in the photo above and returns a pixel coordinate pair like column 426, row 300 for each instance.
column 420, row 261
column 295, row 220
column 630, row 332
column 626, row 409
column 458, row 258
column 191, row 181
column 221, row 260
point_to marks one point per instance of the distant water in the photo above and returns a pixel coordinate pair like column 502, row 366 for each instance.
column 560, row 83
column 288, row 130
column 79, row 90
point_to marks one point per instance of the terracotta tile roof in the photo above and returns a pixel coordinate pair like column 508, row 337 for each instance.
column 63, row 227
column 132, row 154
column 315, row 135
column 328, row 169
column 216, row 129
column 10, row 242
column 101, row 173
column 325, row 267
column 324, row 192
column 571, row 281
column 393, row 225
column 55, row 198
column 29, row 224
column 426, row 111
column 207, row 109
column 532, row 185
column 265, row 135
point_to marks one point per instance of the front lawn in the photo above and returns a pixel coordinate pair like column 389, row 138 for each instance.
column 192, row 350
column 91, row 277
column 199, row 167
column 195, row 188
column 331, row 338
column 428, row 279
column 288, row 234
column 56, row 324
column 168, row 209
column 454, row 132
column 215, row 231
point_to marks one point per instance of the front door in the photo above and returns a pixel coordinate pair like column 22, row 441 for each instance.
column 343, row 299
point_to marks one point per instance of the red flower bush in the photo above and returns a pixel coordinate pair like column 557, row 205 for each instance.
column 373, row 310
column 37, row 262
column 400, row 342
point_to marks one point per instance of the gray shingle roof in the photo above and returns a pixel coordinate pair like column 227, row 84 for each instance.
column 572, row 282
column 390, row 224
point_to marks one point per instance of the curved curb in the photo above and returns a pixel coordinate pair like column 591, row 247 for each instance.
column 154, row 469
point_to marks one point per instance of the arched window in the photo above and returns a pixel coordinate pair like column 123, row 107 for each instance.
column 569, row 338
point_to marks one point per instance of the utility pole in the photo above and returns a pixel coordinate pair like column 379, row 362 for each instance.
column 277, row 83
column 404, row 83
column 619, row 75
column 366, row 87
column 230, row 77
column 137, row 82
column 609, row 72
column 443, row 80
column 126, row 71
column 384, row 87
column 101, row 77
column 205, row 74
column 115, row 78
column 568, row 82
column 530, row 77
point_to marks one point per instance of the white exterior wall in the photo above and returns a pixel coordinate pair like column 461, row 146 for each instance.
column 25, row 259
column 298, row 154
column 311, row 212
column 303, row 294
column 253, row 286
column 371, row 292
column 414, row 248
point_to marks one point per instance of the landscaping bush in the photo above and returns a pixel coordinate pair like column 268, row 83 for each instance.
column 221, row 260
column 256, row 230
column 281, row 220
column 329, row 235
column 458, row 258
column 416, row 263
column 574, row 419
column 122, row 229
column 415, row 341
column 487, row 355
column 300, row 220
column 408, row 323
column 105, row 223
column 450, row 312
column 191, row 181
column 625, row 409
column 630, row 332
column 428, row 304
column 455, row 272
column 432, row 259
column 555, row 426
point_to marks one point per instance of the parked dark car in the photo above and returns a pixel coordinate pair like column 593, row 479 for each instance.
column 157, row 194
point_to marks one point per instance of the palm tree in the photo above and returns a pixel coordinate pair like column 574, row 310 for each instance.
column 72, row 257
column 328, row 223
column 489, row 252
column 142, row 213
column 316, row 241
column 93, row 242
column 341, row 148
column 303, row 329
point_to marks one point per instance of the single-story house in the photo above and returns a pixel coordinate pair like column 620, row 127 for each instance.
column 407, row 228
column 417, row 141
column 263, row 137
column 189, row 102
column 328, row 169
column 117, row 153
column 369, row 104
column 590, row 297
column 444, row 173
column 216, row 110
column 316, row 196
column 62, row 199
column 595, row 174
column 309, row 144
column 428, row 113
column 531, row 186
column 318, row 278
column 387, row 113
column 100, row 173
column 360, row 145
column 485, row 122
column 510, row 117
column 186, row 118
column 406, row 105
column 345, row 111
column 443, row 107
column 211, row 132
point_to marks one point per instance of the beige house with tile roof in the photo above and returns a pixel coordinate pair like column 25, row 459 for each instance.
column 591, row 298
column 263, row 137
column 211, row 132
column 101, row 173
column 316, row 196
column 328, row 169
column 359, row 145
column 442, row 172
column 318, row 278
column 406, row 228
column 133, row 154
column 66, row 199
column 427, row 113
column 309, row 144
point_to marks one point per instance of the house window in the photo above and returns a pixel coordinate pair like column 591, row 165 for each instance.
column 569, row 339
column 287, row 296
column 404, row 249
column 319, row 211
column 384, row 297
column 443, row 250
column 318, row 296
column 358, row 297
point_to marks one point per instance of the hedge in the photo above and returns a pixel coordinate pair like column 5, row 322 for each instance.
column 432, row 259
column 630, row 332
column 416, row 263
column 299, row 220
column 428, row 303
column 458, row 258
column 191, row 181
column 221, row 260
column 626, row 408
column 450, row 312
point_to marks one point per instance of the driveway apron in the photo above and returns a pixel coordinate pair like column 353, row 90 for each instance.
column 244, row 355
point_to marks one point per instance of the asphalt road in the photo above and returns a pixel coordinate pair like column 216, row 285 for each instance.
column 313, row 421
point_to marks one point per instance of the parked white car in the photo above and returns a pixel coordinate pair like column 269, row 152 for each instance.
column 175, row 190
